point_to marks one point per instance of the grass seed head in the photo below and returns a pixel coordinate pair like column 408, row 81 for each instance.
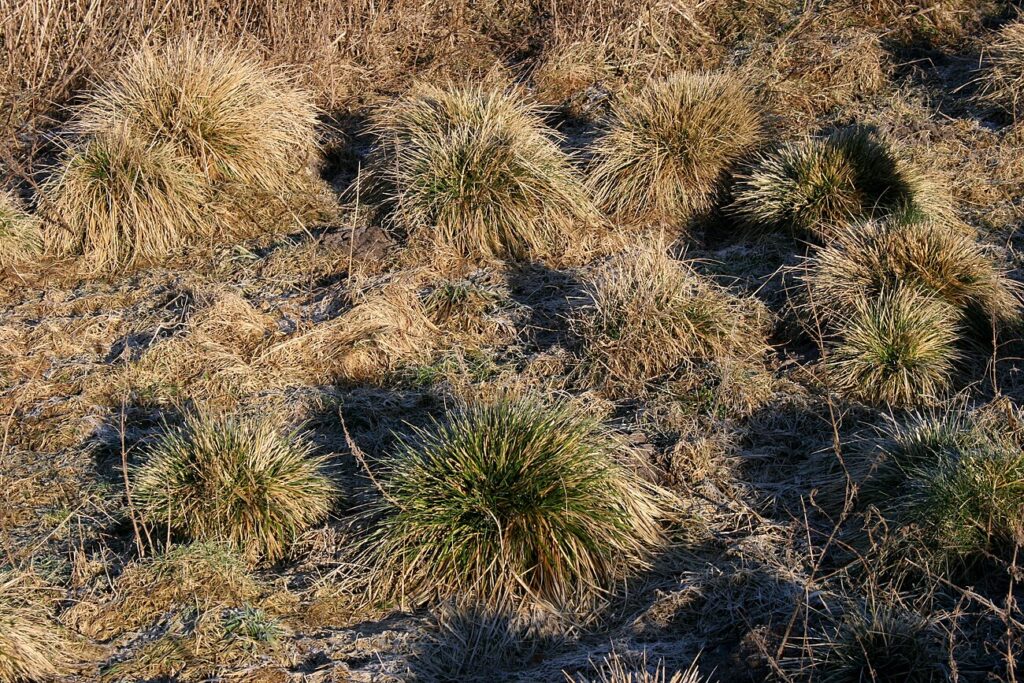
column 513, row 501
column 898, row 348
column 666, row 148
column 474, row 172
column 234, row 480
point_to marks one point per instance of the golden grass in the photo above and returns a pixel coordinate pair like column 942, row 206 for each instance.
column 665, row 149
column 897, row 348
column 20, row 235
column 867, row 258
column 512, row 503
column 1002, row 81
column 652, row 316
column 32, row 646
column 473, row 171
column 238, row 481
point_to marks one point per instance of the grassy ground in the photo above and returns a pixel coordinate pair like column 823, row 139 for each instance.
column 754, row 442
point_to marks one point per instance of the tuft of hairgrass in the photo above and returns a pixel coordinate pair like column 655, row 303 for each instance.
column 474, row 171
column 1002, row 81
column 20, row 233
column 234, row 480
column 509, row 503
column 878, row 643
column 236, row 118
column 651, row 315
column 898, row 348
column 120, row 202
column 32, row 646
column 867, row 258
column 665, row 149
column 615, row 669
column 813, row 186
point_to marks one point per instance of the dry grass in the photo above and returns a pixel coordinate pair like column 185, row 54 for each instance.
column 512, row 502
column 32, row 646
column 815, row 186
column 665, row 149
column 121, row 202
column 616, row 669
column 651, row 316
column 239, row 481
column 1002, row 82
column 473, row 171
column 867, row 258
column 898, row 349
column 20, row 236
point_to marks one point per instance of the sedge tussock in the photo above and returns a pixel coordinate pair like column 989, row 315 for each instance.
column 512, row 502
column 867, row 258
column 816, row 185
column 239, row 481
column 651, row 315
column 475, row 172
column 20, row 232
column 32, row 646
column 121, row 202
column 898, row 348
column 665, row 149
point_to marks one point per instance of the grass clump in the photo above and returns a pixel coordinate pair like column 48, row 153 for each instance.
column 616, row 669
column 512, row 502
column 665, row 149
column 879, row 643
column 32, row 646
column 865, row 259
column 813, row 186
column 234, row 480
column 896, row 349
column 20, row 236
column 182, row 143
column 651, row 315
column 1002, row 82
column 473, row 171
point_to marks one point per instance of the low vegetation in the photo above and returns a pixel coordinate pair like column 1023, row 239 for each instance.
column 510, row 502
column 1002, row 81
column 665, row 149
column 234, row 480
column 20, row 238
column 473, row 171
column 33, row 647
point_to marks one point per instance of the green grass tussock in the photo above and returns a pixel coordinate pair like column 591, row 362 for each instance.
column 473, row 171
column 513, row 502
column 651, row 315
column 234, row 480
column 20, row 235
column 665, row 149
column 816, row 185
column 898, row 348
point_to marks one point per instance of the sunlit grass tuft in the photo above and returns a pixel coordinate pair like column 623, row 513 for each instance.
column 32, row 646
column 20, row 236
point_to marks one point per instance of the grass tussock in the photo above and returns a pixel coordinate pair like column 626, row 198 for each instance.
column 121, row 202
column 665, row 149
column 1002, row 81
column 960, row 479
column 234, row 480
column 32, row 646
column 815, row 186
column 184, row 142
column 512, row 502
column 898, row 348
column 652, row 315
column 203, row 576
column 867, row 258
column 20, row 234
column 615, row 668
column 473, row 171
